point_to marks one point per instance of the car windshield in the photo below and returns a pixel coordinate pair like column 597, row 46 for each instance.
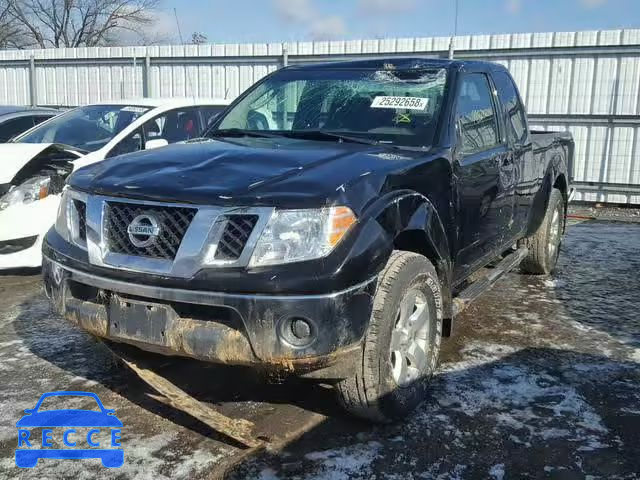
column 86, row 128
column 399, row 107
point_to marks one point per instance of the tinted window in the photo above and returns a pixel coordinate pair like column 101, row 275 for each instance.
column 131, row 143
column 210, row 113
column 475, row 115
column 174, row 126
column 41, row 118
column 516, row 120
column 14, row 127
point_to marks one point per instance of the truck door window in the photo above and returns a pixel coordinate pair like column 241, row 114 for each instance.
column 475, row 115
column 516, row 120
column 173, row 126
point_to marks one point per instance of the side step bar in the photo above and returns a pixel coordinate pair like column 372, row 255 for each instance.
column 480, row 286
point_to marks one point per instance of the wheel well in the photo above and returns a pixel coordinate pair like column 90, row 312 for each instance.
column 561, row 184
column 417, row 241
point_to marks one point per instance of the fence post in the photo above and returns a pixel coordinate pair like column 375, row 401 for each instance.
column 285, row 55
column 32, row 82
column 146, row 77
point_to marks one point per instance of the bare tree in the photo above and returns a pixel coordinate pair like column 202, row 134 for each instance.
column 11, row 35
column 79, row 23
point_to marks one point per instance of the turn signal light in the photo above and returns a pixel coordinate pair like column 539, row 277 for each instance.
column 341, row 219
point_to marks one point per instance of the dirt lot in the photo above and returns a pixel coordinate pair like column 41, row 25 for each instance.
column 542, row 380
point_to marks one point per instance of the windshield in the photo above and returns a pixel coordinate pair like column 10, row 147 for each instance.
column 87, row 128
column 399, row 107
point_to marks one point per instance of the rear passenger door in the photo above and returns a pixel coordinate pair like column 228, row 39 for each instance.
column 479, row 157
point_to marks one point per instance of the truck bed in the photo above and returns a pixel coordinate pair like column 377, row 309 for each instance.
column 545, row 142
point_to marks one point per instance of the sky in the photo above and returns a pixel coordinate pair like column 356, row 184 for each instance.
column 242, row 21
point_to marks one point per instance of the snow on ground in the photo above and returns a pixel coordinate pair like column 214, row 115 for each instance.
column 542, row 379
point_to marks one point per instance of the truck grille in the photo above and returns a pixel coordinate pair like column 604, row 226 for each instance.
column 172, row 223
column 235, row 236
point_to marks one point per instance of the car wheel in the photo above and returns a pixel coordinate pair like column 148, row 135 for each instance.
column 401, row 345
column 544, row 245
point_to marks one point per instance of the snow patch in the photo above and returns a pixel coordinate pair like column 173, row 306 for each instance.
column 497, row 471
column 342, row 463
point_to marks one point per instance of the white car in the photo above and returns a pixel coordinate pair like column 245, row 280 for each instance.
column 34, row 166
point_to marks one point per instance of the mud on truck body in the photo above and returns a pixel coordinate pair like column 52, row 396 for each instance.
column 327, row 226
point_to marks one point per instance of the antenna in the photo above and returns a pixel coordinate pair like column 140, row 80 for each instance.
column 189, row 79
column 455, row 31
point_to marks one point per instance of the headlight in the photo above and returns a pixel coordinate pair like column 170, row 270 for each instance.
column 298, row 235
column 63, row 220
column 33, row 189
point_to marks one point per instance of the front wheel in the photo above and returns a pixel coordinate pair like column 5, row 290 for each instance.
column 402, row 344
column 544, row 245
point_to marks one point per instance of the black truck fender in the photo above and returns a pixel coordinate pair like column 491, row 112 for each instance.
column 555, row 177
column 411, row 222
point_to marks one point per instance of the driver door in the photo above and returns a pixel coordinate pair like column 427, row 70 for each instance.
column 480, row 154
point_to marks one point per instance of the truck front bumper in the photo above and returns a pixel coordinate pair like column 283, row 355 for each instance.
column 300, row 333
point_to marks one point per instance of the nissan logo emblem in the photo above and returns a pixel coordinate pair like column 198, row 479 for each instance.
column 143, row 230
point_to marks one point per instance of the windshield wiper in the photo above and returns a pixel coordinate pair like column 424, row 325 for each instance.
column 239, row 132
column 323, row 134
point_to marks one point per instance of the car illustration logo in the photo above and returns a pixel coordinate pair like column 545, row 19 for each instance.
column 102, row 428
column 143, row 230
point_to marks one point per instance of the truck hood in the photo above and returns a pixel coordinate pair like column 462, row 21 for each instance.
column 15, row 156
column 247, row 171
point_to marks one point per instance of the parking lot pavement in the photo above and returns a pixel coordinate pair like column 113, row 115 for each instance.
column 542, row 380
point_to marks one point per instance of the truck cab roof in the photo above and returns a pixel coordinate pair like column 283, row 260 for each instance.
column 402, row 63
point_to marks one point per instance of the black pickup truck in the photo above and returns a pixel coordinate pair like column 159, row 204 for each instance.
column 327, row 225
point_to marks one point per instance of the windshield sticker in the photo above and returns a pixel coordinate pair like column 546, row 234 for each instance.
column 409, row 103
column 135, row 109
column 402, row 117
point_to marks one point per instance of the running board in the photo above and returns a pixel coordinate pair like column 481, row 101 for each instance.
column 480, row 286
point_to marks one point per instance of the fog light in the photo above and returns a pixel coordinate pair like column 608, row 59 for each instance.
column 300, row 329
column 297, row 331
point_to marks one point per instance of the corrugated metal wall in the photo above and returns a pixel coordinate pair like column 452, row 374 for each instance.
column 585, row 82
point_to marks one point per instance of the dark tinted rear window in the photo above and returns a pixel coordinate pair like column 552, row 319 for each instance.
column 16, row 126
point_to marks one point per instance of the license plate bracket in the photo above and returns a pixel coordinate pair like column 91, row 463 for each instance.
column 139, row 321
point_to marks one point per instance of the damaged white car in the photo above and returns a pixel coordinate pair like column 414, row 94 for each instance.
column 34, row 166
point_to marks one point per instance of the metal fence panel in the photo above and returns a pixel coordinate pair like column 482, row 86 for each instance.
column 585, row 82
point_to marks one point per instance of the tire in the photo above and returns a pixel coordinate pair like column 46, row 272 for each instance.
column 378, row 390
column 544, row 245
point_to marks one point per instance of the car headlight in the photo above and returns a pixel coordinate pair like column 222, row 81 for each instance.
column 30, row 191
column 299, row 235
column 63, row 220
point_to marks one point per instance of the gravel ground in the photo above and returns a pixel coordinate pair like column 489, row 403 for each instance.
column 541, row 381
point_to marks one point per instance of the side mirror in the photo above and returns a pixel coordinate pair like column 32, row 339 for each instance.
column 155, row 143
